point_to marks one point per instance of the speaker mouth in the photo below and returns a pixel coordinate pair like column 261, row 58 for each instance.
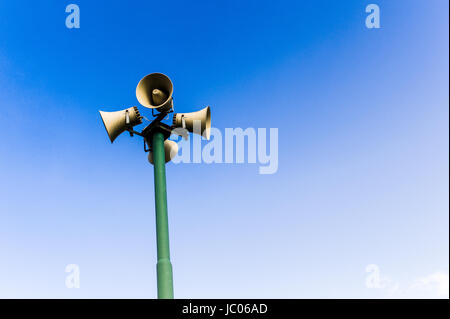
column 106, row 126
column 208, row 123
column 146, row 87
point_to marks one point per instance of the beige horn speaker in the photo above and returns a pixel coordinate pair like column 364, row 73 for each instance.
column 154, row 91
column 195, row 122
column 170, row 151
column 117, row 122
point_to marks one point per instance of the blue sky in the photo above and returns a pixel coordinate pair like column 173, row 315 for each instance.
column 363, row 149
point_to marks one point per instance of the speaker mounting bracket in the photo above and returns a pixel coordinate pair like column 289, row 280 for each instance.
column 156, row 125
column 148, row 132
column 132, row 132
column 165, row 113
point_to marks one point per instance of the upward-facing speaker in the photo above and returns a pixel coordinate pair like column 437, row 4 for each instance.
column 155, row 92
column 195, row 122
column 117, row 122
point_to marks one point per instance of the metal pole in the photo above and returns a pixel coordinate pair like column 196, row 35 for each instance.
column 163, row 266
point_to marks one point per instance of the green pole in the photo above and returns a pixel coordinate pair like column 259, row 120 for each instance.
column 163, row 266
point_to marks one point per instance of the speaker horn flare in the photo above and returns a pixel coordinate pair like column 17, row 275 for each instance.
column 117, row 122
column 154, row 91
column 189, row 122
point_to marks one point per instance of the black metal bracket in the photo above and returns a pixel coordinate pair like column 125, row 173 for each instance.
column 148, row 131
column 161, row 127
column 156, row 125
column 132, row 132
column 166, row 112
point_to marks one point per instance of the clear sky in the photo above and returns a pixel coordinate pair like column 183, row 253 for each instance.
column 363, row 174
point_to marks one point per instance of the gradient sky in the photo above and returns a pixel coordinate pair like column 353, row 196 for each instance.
column 363, row 120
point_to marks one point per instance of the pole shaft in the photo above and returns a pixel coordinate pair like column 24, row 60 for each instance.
column 163, row 266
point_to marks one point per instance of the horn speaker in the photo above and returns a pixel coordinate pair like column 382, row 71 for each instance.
column 117, row 122
column 154, row 91
column 191, row 121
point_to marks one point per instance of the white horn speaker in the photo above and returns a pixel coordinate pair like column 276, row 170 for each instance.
column 117, row 122
column 154, row 91
column 189, row 121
